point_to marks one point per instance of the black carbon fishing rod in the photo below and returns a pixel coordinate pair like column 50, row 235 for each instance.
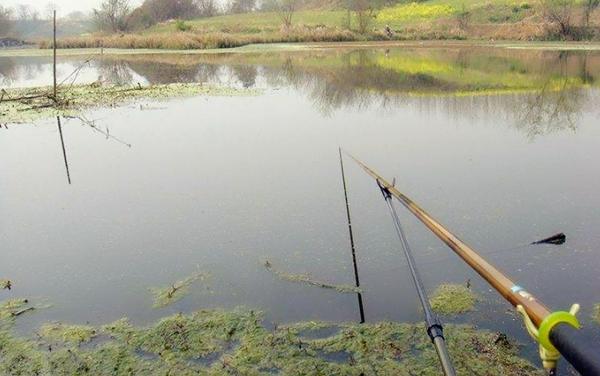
column 361, row 308
column 557, row 333
column 435, row 329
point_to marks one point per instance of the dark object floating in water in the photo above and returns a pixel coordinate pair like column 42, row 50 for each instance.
column 557, row 239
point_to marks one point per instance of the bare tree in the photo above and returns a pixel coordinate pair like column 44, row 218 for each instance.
column 463, row 16
column 589, row 7
column 560, row 13
column 51, row 6
column 112, row 15
column 163, row 10
column 24, row 12
column 207, row 8
column 286, row 10
column 6, row 23
column 364, row 14
column 242, row 6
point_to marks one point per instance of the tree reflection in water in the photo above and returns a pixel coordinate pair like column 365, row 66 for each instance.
column 14, row 69
column 539, row 91
column 558, row 104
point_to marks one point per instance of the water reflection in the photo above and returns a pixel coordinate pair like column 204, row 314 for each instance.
column 64, row 150
column 558, row 103
column 254, row 179
column 115, row 72
column 541, row 91
column 13, row 70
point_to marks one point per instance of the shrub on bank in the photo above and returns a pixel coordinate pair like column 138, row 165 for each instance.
column 191, row 40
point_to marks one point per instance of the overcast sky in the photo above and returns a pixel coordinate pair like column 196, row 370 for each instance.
column 64, row 6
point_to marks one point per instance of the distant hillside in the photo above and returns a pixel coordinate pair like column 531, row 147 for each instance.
column 327, row 21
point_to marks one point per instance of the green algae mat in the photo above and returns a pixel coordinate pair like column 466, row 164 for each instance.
column 237, row 342
column 453, row 299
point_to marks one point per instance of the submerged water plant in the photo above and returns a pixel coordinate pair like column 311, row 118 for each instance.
column 596, row 314
column 452, row 299
column 167, row 295
column 308, row 280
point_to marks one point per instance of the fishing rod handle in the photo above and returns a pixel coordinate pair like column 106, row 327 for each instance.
column 575, row 346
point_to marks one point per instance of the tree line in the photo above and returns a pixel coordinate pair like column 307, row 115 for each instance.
column 13, row 21
column 120, row 16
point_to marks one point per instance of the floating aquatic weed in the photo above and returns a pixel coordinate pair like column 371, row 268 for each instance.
column 313, row 329
column 243, row 346
column 58, row 332
column 307, row 279
column 451, row 299
column 175, row 292
column 5, row 284
column 121, row 330
column 11, row 308
column 24, row 105
column 197, row 335
column 19, row 356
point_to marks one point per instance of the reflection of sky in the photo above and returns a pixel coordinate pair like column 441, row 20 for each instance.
column 40, row 74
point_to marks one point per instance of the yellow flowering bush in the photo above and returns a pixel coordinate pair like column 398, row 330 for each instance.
column 414, row 11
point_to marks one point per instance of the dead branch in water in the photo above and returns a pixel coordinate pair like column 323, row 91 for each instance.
column 19, row 313
column 306, row 279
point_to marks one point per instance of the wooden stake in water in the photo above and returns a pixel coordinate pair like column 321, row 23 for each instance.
column 54, row 49
column 64, row 150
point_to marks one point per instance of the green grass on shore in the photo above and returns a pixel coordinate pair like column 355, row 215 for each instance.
column 423, row 20
column 397, row 17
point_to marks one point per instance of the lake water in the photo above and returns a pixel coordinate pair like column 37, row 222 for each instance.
column 501, row 145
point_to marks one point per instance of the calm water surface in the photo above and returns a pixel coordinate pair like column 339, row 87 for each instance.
column 502, row 146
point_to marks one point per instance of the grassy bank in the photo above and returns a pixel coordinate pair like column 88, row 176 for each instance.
column 429, row 20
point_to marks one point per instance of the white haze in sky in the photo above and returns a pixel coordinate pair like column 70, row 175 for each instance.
column 64, row 6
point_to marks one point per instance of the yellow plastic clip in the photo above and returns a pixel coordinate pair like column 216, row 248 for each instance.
column 548, row 353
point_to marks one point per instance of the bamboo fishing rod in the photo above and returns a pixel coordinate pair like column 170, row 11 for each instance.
column 556, row 332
